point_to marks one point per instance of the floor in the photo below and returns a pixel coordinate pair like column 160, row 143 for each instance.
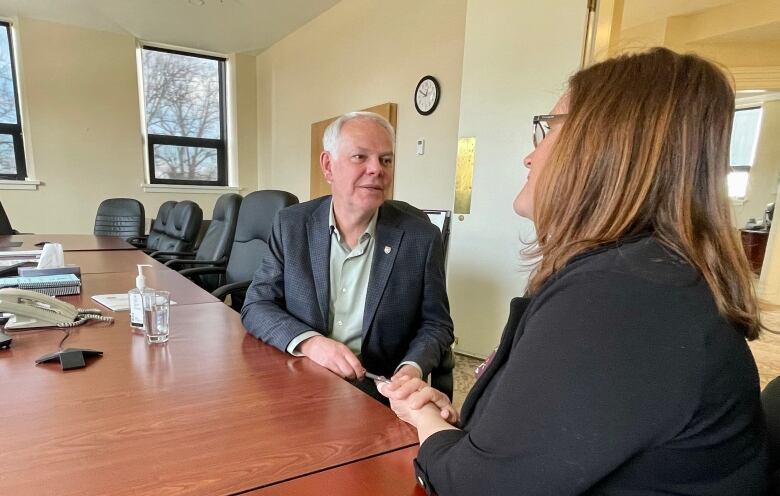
column 766, row 351
column 463, row 377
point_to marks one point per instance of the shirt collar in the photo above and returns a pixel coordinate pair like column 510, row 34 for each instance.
column 370, row 229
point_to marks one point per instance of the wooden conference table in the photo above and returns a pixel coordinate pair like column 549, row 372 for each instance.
column 213, row 411
column 69, row 242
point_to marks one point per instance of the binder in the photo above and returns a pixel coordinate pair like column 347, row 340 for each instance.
column 49, row 281
column 53, row 285
column 61, row 291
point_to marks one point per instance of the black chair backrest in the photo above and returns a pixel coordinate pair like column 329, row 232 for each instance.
column 218, row 239
column 442, row 220
column 408, row 208
column 441, row 375
column 157, row 230
column 120, row 217
column 770, row 401
column 181, row 228
column 5, row 224
column 253, row 231
column 439, row 218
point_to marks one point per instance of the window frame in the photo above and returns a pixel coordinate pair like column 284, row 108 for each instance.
column 746, row 168
column 220, row 145
column 743, row 167
column 14, row 130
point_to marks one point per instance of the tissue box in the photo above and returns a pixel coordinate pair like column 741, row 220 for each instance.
column 55, row 271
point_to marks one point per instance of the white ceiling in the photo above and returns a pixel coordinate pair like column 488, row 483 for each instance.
column 223, row 26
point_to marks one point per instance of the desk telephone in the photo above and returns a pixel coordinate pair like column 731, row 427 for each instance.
column 33, row 309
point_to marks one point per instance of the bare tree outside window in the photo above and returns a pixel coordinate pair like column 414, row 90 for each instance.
column 184, row 102
column 12, row 164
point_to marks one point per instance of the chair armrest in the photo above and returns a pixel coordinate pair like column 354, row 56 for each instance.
column 222, row 291
column 173, row 253
column 197, row 271
column 195, row 261
column 137, row 240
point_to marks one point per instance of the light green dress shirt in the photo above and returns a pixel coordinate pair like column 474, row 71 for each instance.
column 350, row 270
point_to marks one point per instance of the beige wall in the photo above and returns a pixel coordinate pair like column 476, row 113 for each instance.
column 507, row 78
column 358, row 54
column 361, row 53
column 768, row 155
column 81, row 94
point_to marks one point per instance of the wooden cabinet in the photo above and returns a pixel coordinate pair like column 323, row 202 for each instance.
column 754, row 243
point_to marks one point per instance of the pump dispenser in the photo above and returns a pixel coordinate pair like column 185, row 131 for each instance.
column 137, row 297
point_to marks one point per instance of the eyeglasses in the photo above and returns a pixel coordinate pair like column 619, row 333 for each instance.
column 542, row 126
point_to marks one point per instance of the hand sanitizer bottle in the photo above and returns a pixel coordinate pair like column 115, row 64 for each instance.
column 137, row 298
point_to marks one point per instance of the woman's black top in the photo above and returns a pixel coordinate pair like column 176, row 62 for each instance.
column 618, row 377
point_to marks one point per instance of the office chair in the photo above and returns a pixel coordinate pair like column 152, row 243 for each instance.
column 181, row 230
column 442, row 220
column 120, row 217
column 5, row 224
column 250, row 244
column 214, row 249
column 441, row 375
column 770, row 402
column 157, row 229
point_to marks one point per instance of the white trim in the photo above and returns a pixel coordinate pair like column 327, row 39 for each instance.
column 756, row 100
column 22, row 110
column 756, row 78
column 26, row 184
column 231, row 120
column 142, row 106
column 183, row 49
column 186, row 188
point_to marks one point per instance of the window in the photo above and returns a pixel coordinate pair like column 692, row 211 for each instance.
column 12, row 164
column 744, row 138
column 184, row 101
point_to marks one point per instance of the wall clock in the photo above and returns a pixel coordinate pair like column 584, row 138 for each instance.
column 427, row 95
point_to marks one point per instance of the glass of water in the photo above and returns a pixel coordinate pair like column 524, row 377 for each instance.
column 158, row 313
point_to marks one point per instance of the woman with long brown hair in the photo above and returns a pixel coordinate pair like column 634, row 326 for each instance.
column 626, row 369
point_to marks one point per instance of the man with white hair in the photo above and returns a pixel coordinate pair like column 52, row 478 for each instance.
column 352, row 282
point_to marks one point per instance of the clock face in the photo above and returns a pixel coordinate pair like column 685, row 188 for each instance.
column 426, row 96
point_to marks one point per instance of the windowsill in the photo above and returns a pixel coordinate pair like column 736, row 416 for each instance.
column 29, row 184
column 738, row 202
column 178, row 188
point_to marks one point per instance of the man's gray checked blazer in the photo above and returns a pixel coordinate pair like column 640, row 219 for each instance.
column 406, row 315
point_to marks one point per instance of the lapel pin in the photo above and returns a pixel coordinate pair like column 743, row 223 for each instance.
column 388, row 250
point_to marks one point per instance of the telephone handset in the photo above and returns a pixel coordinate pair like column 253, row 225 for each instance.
column 33, row 309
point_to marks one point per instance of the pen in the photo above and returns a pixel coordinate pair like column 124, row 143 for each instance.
column 377, row 377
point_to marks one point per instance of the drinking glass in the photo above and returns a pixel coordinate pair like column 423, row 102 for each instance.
column 157, row 330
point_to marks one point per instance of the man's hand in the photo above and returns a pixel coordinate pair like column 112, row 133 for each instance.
column 334, row 356
column 409, row 371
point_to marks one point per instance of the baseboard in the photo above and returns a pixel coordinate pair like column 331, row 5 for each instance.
column 470, row 355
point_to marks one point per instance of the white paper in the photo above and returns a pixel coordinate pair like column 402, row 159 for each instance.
column 21, row 254
column 8, row 262
column 116, row 302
